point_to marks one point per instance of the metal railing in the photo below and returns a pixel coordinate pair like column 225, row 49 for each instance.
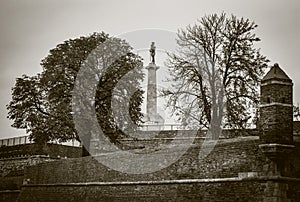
column 26, row 140
column 15, row 141
column 147, row 127
column 160, row 127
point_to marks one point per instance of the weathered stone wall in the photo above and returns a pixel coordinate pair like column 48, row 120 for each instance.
column 279, row 93
column 209, row 191
column 15, row 166
column 294, row 191
column 9, row 195
column 276, row 113
column 277, row 126
column 12, row 174
column 52, row 150
column 14, row 159
column 155, row 138
column 229, row 159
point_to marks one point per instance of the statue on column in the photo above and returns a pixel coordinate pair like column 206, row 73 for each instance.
column 152, row 53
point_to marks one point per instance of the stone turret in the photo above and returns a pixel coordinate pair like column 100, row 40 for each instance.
column 276, row 109
column 276, row 131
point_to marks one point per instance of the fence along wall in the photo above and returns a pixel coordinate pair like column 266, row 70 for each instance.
column 26, row 140
column 15, row 141
column 145, row 130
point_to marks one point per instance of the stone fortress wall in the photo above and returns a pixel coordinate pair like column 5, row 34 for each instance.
column 236, row 170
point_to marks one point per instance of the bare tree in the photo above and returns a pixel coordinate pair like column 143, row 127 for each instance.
column 215, row 67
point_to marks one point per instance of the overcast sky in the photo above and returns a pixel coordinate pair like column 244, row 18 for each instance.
column 30, row 28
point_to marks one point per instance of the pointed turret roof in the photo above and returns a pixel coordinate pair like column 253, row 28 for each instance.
column 276, row 73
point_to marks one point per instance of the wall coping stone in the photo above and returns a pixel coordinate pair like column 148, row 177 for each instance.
column 10, row 191
column 276, row 103
column 28, row 157
column 166, row 182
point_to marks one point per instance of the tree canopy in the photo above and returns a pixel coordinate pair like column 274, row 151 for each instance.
column 216, row 67
column 42, row 104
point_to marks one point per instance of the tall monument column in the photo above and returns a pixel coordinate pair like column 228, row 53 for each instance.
column 152, row 117
column 152, row 90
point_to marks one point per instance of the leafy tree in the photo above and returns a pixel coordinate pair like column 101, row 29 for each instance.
column 42, row 104
column 216, row 66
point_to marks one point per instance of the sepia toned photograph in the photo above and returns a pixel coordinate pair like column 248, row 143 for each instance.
column 133, row 101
